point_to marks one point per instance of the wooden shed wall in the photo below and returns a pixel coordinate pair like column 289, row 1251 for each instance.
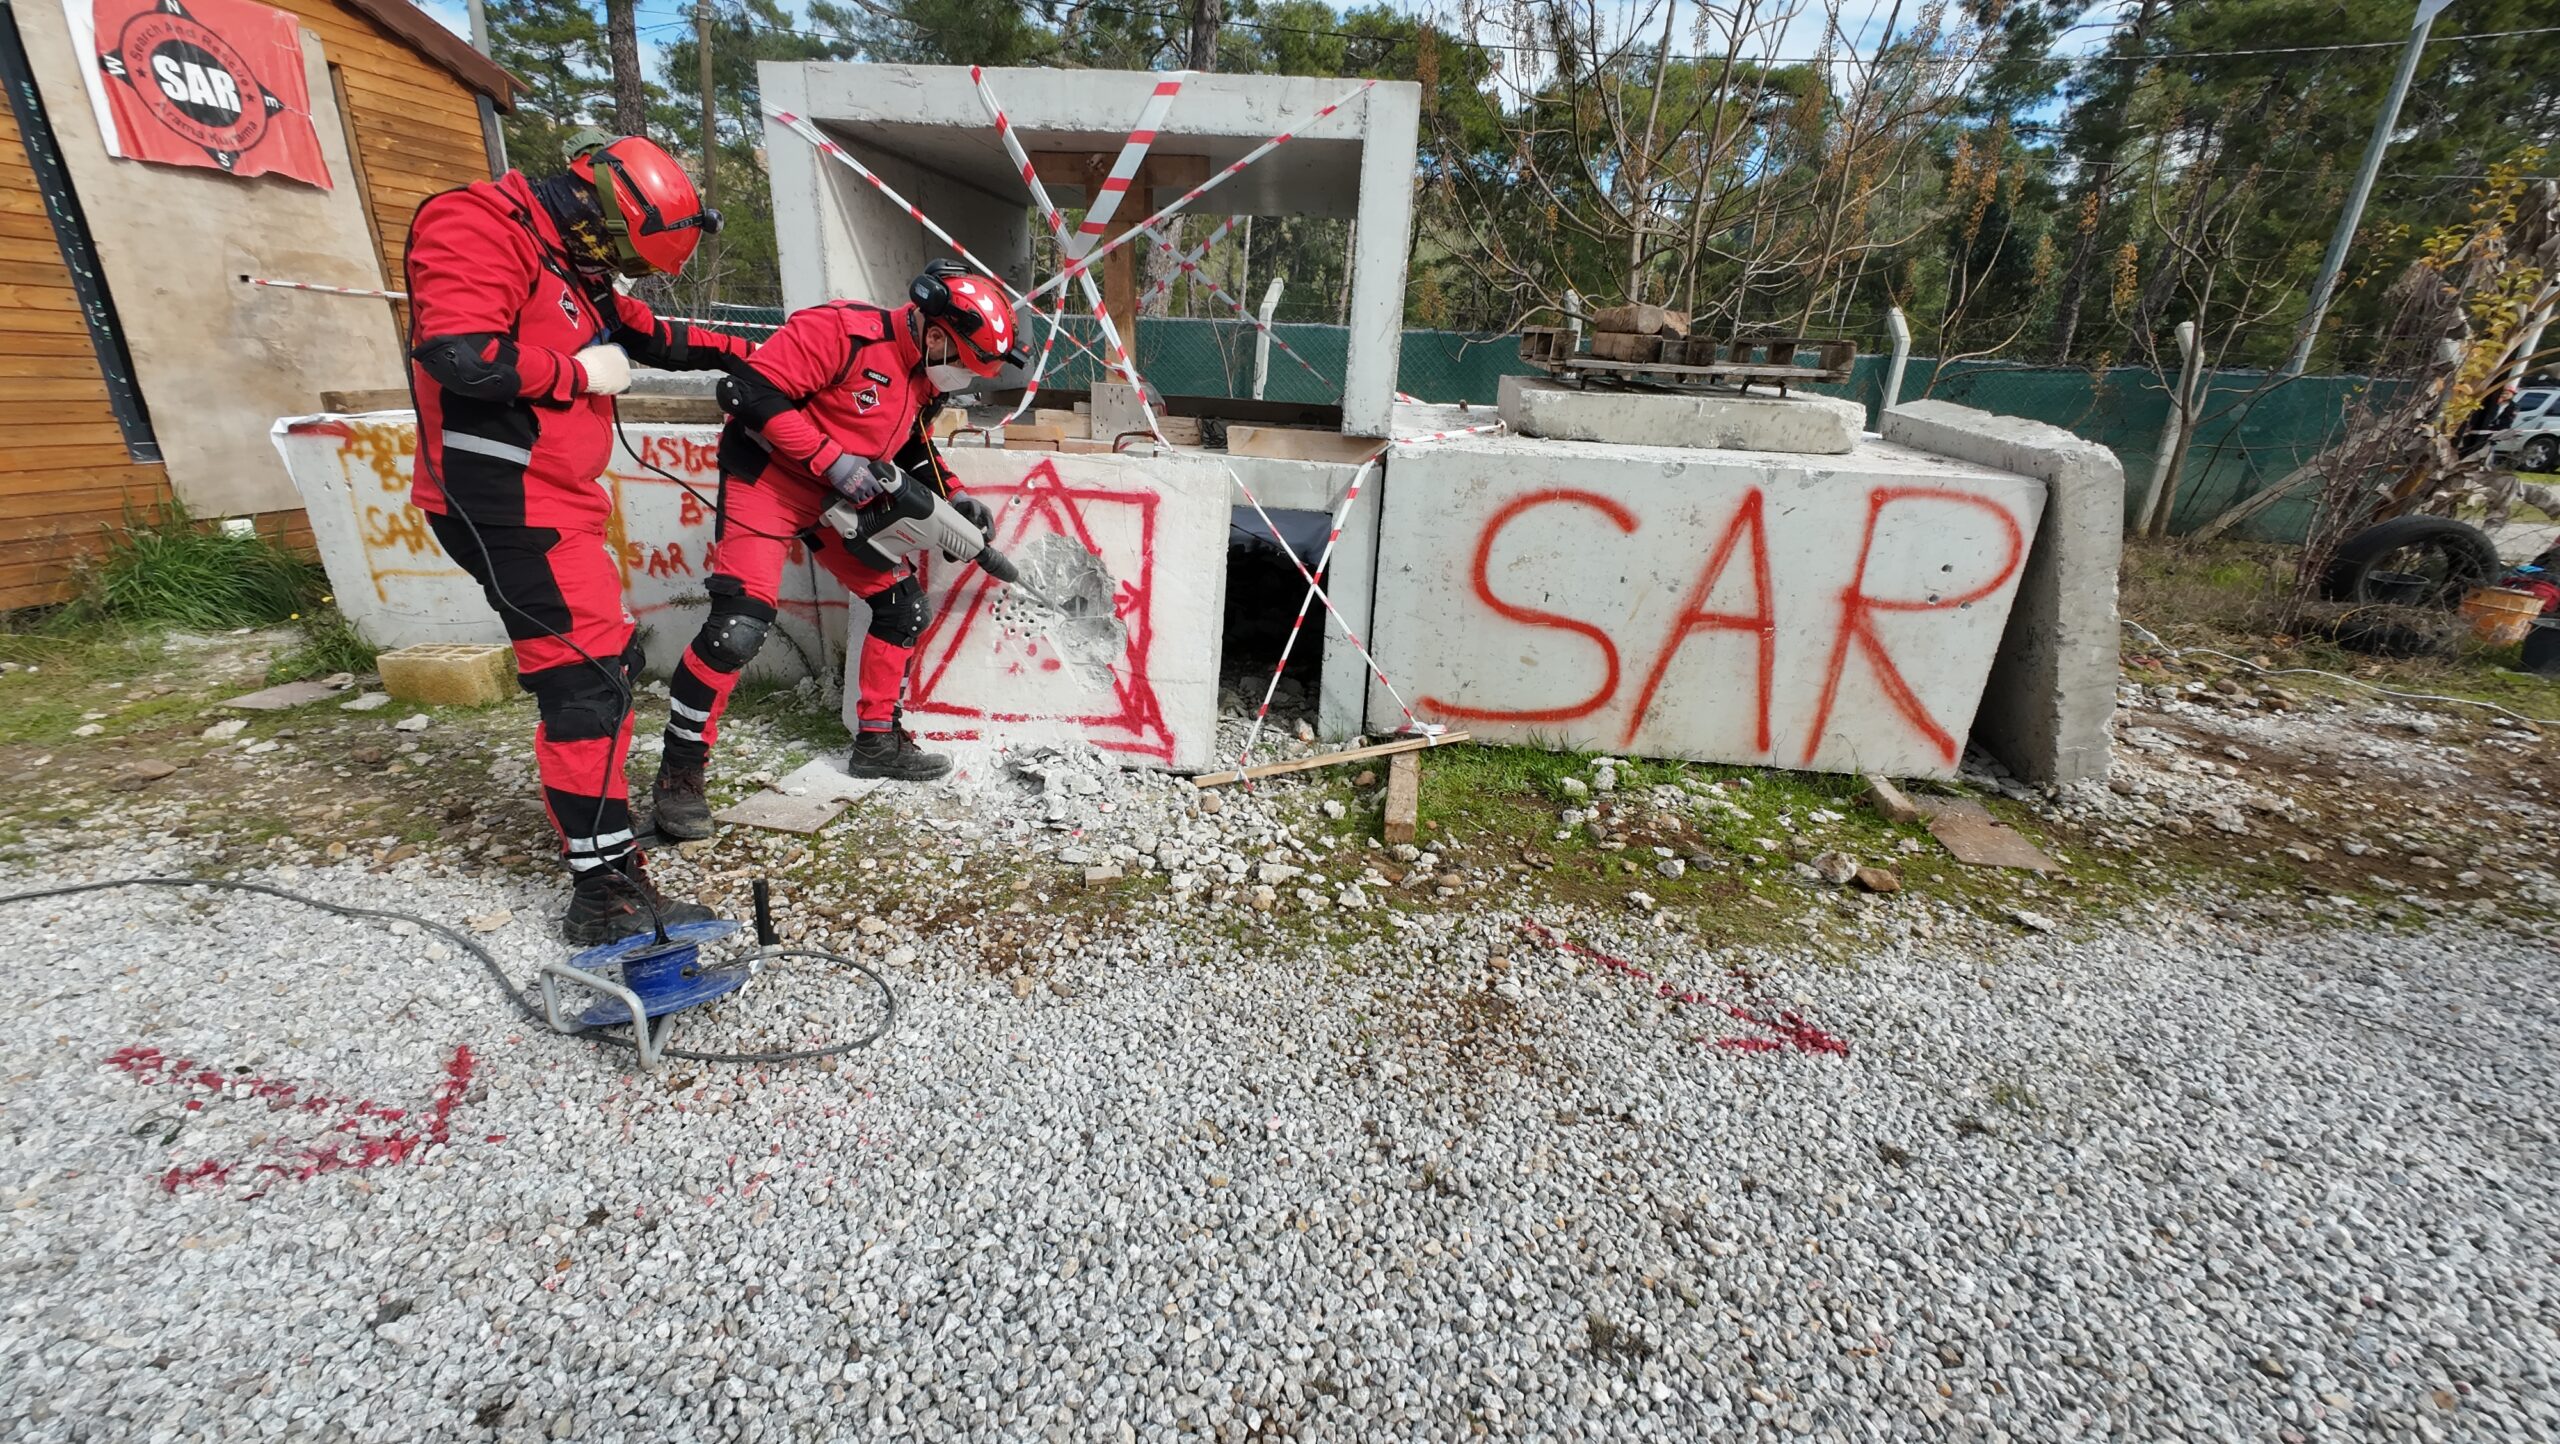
column 417, row 128
column 65, row 476
column 64, row 471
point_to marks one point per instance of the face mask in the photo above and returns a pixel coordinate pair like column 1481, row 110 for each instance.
column 950, row 380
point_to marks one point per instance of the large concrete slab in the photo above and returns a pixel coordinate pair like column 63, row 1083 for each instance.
column 923, row 129
column 400, row 589
column 2052, row 693
column 1729, row 421
column 1136, row 547
column 1830, row 613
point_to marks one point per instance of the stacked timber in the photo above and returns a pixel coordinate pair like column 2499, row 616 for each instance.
column 1638, row 333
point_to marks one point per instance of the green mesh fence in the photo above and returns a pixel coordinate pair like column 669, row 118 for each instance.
column 2252, row 429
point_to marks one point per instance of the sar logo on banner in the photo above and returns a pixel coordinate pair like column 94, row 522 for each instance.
column 209, row 83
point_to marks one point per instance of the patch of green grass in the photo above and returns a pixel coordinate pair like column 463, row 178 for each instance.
column 168, row 570
column 330, row 644
column 59, row 671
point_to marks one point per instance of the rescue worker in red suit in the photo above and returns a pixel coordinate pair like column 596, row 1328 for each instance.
column 518, row 342
column 833, row 407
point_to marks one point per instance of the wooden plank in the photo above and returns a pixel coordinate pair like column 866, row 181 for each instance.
column 1617, row 346
column 26, row 297
column 52, row 485
column 1404, row 797
column 42, row 435
column 36, row 460
column 22, row 389
column 1330, row 759
column 1292, row 443
column 1021, row 431
column 50, row 343
column 387, row 398
column 17, row 367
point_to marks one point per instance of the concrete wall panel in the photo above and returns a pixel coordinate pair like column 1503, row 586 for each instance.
column 2053, row 690
column 1137, row 549
column 1838, row 614
column 398, row 586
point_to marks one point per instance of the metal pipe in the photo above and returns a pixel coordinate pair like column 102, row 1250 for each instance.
column 1262, row 338
column 1900, row 329
column 2323, row 288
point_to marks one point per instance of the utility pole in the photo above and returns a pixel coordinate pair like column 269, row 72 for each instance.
column 491, row 139
column 2325, row 287
column 710, row 131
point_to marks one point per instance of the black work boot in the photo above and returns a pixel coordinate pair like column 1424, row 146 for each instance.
column 891, row 753
column 677, row 806
column 606, row 903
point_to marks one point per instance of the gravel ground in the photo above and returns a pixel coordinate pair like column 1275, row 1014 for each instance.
column 273, row 1174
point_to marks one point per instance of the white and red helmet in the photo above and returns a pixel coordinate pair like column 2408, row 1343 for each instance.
column 972, row 311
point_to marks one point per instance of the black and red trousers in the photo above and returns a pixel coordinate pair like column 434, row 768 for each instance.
column 559, row 594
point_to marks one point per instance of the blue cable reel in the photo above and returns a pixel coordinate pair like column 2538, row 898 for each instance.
column 667, row 977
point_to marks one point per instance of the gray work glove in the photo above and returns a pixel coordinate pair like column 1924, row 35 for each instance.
column 862, row 481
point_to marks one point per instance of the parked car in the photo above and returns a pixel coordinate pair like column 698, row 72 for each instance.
column 2532, row 443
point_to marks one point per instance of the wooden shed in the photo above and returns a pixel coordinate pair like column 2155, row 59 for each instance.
column 136, row 369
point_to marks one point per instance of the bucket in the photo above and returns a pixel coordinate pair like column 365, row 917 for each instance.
column 2501, row 617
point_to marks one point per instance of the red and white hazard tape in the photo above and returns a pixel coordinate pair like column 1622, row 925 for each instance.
column 1190, row 265
column 1106, row 203
column 369, row 295
column 802, row 128
column 1316, row 589
column 1133, row 153
column 1183, row 263
column 1342, row 513
column 1085, row 263
column 1124, row 168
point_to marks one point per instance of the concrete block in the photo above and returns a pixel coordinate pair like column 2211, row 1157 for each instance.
column 399, row 588
column 1833, row 614
column 923, row 129
column 449, row 674
column 781, row 812
column 1727, row 421
column 282, row 697
column 2052, row 685
column 1136, row 546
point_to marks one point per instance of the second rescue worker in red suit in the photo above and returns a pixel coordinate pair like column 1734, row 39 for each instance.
column 832, row 407
column 519, row 341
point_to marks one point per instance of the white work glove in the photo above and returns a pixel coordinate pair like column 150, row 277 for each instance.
column 608, row 371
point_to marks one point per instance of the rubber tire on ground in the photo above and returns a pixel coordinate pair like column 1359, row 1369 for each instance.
column 2359, row 555
column 2542, row 453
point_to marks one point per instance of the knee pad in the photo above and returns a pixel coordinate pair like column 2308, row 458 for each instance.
column 735, row 631
column 579, row 702
column 899, row 614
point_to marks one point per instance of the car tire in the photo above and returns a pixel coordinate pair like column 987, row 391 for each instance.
column 2358, row 574
column 2542, row 453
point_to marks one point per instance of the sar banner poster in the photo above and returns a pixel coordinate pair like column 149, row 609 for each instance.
column 215, row 83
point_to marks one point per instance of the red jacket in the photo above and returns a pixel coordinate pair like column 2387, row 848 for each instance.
column 506, row 432
column 839, row 378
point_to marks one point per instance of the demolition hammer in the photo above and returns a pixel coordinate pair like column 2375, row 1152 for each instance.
column 912, row 519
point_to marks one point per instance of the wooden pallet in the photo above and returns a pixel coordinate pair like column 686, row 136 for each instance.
column 1688, row 361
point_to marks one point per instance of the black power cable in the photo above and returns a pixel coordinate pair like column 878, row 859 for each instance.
column 524, row 1005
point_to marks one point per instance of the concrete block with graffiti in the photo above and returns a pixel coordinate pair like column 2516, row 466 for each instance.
column 1135, row 552
column 398, row 587
column 1831, row 613
column 1136, row 547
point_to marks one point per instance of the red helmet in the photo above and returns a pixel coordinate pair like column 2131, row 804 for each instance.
column 972, row 311
column 652, row 213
